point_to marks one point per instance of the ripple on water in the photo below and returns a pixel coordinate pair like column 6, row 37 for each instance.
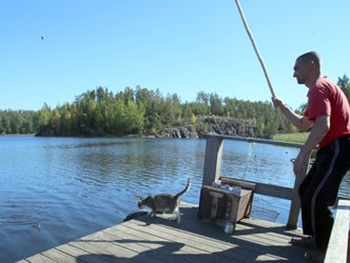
column 15, row 212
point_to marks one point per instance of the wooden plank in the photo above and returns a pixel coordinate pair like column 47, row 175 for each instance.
column 114, row 241
column 212, row 161
column 262, row 188
column 39, row 258
column 58, row 256
column 295, row 204
column 338, row 244
column 266, row 238
column 242, row 183
column 191, row 248
column 175, row 235
column 81, row 254
column 204, row 243
column 162, row 249
column 148, row 249
column 255, row 140
column 112, row 252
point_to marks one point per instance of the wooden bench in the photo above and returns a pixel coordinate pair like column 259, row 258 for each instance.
column 337, row 250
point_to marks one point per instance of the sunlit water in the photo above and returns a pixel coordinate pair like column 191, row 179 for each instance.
column 54, row 190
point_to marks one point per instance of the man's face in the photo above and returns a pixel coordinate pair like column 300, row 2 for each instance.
column 301, row 71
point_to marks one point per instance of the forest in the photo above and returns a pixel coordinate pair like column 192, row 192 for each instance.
column 141, row 112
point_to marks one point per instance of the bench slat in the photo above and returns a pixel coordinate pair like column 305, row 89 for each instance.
column 337, row 250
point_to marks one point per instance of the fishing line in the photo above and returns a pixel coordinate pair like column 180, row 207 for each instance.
column 260, row 207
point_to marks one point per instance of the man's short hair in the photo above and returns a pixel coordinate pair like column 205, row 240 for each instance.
column 310, row 56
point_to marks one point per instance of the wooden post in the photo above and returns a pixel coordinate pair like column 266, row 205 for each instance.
column 337, row 250
column 212, row 162
column 295, row 204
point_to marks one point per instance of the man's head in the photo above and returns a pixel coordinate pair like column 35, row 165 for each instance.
column 307, row 68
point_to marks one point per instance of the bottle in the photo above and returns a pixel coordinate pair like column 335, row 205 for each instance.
column 228, row 228
column 225, row 187
column 236, row 190
column 216, row 184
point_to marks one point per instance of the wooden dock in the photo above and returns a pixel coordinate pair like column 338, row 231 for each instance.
column 160, row 239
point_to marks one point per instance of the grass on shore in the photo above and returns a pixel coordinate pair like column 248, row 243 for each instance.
column 299, row 137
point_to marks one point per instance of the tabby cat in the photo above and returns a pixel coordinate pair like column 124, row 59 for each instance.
column 165, row 202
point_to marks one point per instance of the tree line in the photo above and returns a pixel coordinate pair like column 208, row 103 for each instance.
column 141, row 111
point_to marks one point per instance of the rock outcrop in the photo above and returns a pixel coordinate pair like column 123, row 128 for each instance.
column 221, row 126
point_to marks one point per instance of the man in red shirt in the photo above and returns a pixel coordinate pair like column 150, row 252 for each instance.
column 328, row 116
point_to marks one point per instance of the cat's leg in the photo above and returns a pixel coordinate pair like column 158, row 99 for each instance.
column 178, row 215
column 153, row 213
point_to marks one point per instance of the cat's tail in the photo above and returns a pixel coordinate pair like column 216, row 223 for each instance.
column 184, row 190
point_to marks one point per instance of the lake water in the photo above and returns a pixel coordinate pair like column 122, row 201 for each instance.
column 55, row 190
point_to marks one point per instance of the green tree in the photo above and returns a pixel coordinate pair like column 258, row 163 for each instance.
column 5, row 123
column 42, row 119
column 344, row 84
column 216, row 106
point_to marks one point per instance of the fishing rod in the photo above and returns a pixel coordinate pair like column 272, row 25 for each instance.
column 259, row 58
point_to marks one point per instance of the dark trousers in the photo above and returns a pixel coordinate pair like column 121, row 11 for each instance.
column 319, row 190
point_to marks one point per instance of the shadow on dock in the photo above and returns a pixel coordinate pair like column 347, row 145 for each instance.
column 159, row 239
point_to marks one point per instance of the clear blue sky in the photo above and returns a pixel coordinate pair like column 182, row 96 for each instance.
column 176, row 46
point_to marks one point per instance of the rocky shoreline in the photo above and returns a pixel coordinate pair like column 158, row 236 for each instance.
column 221, row 126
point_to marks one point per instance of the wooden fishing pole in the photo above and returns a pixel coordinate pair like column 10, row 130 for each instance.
column 259, row 58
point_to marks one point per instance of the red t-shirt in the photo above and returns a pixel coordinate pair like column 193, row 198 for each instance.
column 326, row 98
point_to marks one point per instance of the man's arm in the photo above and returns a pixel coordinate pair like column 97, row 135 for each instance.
column 318, row 131
column 301, row 122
